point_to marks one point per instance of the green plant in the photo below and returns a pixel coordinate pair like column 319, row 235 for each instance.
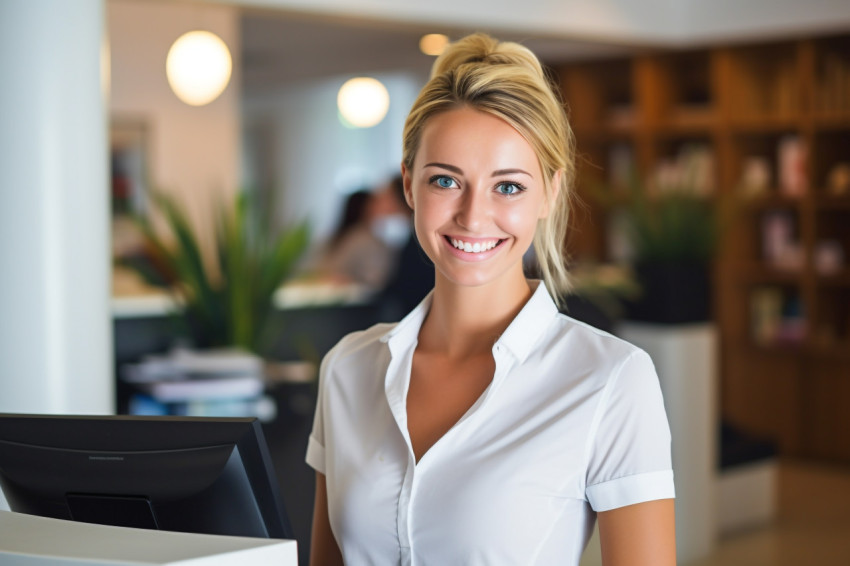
column 676, row 225
column 671, row 221
column 227, row 301
column 672, row 229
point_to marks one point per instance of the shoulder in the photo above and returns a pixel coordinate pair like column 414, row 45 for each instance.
column 361, row 342
column 584, row 346
column 357, row 356
column 354, row 370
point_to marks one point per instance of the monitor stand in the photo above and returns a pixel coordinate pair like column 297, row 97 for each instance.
column 135, row 512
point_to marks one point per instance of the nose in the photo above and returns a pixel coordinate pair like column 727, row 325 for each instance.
column 473, row 210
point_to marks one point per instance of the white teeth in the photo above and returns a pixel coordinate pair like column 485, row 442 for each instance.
column 475, row 248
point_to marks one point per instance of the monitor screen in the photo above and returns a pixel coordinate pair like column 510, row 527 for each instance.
column 196, row 475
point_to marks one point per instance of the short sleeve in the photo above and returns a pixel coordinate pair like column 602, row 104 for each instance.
column 316, row 443
column 629, row 454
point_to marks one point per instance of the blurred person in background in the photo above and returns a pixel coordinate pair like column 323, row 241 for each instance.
column 413, row 274
column 365, row 246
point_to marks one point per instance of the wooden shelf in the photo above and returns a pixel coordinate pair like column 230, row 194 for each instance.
column 834, row 280
column 788, row 350
column 834, row 352
column 690, row 120
column 764, row 124
column 766, row 274
column 772, row 200
column 603, row 135
column 797, row 351
column 832, row 120
column 739, row 102
column 839, row 204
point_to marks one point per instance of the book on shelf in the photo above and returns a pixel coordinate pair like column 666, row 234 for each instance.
column 776, row 317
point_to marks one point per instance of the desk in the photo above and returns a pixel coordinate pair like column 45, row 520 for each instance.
column 27, row 540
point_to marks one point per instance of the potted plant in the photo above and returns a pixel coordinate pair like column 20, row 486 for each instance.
column 226, row 302
column 673, row 236
column 671, row 226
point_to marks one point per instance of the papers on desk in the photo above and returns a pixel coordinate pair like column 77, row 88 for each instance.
column 189, row 376
column 195, row 389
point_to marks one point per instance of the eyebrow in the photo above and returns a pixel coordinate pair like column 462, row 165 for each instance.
column 496, row 173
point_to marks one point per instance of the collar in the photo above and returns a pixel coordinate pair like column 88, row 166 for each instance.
column 529, row 324
column 406, row 331
column 518, row 338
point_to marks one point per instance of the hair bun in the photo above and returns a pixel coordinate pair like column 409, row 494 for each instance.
column 480, row 48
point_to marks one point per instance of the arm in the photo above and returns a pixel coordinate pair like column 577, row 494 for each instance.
column 324, row 551
column 643, row 534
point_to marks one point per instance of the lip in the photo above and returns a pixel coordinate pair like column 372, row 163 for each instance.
column 472, row 256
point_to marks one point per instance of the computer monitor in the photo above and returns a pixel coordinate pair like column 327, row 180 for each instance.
column 196, row 475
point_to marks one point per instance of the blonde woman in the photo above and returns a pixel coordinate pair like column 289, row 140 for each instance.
column 485, row 427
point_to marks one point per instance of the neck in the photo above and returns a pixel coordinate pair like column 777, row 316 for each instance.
column 468, row 320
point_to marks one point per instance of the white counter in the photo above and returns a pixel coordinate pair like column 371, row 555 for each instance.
column 27, row 540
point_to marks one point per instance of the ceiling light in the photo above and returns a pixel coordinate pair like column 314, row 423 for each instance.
column 433, row 43
column 363, row 102
column 198, row 67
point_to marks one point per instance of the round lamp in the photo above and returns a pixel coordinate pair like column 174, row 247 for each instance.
column 433, row 43
column 363, row 102
column 198, row 67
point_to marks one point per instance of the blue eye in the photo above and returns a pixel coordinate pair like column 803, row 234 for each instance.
column 443, row 181
column 509, row 188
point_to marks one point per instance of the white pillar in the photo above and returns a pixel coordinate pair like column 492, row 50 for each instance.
column 685, row 358
column 55, row 323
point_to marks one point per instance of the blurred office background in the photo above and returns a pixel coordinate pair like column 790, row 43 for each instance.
column 732, row 119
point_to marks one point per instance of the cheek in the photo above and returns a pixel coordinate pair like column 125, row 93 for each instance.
column 431, row 209
column 426, row 219
column 521, row 221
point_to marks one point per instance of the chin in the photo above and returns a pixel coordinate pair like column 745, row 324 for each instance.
column 473, row 277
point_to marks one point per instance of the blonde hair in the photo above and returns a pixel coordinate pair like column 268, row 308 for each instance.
column 506, row 80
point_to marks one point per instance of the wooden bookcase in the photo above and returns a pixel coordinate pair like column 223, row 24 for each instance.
column 783, row 310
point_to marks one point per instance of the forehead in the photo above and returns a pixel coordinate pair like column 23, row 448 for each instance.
column 469, row 137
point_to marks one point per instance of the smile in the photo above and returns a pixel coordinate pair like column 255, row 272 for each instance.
column 476, row 247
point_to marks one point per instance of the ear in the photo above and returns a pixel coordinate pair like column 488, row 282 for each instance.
column 552, row 195
column 408, row 185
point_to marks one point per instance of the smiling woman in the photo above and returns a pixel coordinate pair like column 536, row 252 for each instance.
column 477, row 192
column 486, row 427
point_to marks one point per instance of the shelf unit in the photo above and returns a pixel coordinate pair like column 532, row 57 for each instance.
column 779, row 111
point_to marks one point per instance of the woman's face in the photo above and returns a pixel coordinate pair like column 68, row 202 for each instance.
column 477, row 192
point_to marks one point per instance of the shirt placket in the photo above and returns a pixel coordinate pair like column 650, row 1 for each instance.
column 396, row 390
column 407, row 496
column 405, row 499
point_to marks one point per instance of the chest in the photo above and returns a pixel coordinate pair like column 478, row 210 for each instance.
column 441, row 392
column 501, row 480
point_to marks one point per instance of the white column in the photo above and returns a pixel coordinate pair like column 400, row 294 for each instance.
column 55, row 323
column 685, row 358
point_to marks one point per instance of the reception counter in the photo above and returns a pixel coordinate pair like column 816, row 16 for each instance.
column 27, row 540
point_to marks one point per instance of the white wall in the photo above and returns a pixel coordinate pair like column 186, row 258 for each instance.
column 317, row 159
column 193, row 151
column 635, row 21
column 720, row 20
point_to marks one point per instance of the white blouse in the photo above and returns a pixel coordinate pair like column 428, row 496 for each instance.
column 572, row 423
